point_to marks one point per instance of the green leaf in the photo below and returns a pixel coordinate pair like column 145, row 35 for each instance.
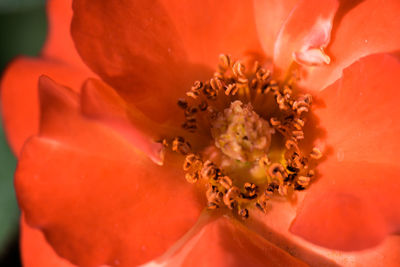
column 22, row 33
column 9, row 213
column 19, row 5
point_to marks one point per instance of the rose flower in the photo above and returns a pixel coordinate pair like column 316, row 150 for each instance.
column 209, row 133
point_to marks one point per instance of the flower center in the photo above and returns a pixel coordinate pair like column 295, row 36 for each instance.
column 240, row 133
column 255, row 126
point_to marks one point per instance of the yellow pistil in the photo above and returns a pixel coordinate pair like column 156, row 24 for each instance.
column 256, row 125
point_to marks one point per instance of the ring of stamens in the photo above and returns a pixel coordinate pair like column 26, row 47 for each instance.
column 292, row 170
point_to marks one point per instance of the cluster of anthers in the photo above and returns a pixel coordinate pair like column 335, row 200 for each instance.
column 255, row 153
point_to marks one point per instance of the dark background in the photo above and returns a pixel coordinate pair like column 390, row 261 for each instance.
column 22, row 32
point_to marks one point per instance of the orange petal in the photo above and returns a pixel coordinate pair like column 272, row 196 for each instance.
column 369, row 27
column 270, row 15
column 59, row 45
column 36, row 252
column 102, row 103
column 361, row 113
column 355, row 204
column 226, row 242
column 151, row 52
column 95, row 197
column 19, row 95
column 305, row 34
column 226, row 26
column 274, row 226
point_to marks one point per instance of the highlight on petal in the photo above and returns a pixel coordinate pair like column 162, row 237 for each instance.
column 225, row 242
column 305, row 34
column 368, row 27
column 355, row 203
column 150, row 53
column 19, row 95
column 270, row 15
column 36, row 252
column 89, row 190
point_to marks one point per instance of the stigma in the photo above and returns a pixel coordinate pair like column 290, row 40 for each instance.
column 255, row 129
column 240, row 133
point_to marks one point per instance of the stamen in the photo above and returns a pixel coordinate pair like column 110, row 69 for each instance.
column 241, row 169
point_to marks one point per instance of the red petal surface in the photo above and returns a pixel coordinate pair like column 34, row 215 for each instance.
column 306, row 31
column 353, row 207
column 97, row 199
column 19, row 95
column 369, row 27
column 274, row 227
column 102, row 103
column 361, row 116
column 226, row 242
column 355, row 204
column 153, row 51
column 270, row 15
column 59, row 45
column 36, row 252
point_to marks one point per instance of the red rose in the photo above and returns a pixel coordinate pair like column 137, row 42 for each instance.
column 93, row 180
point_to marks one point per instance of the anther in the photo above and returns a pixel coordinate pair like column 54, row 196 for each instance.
column 197, row 86
column 264, row 161
column 298, row 134
column 203, row 105
column 244, row 213
column 182, row 103
column 231, row 196
column 275, row 122
column 263, row 202
column 192, row 177
column 231, row 89
column 209, row 170
column 238, row 69
column 189, row 111
column 250, row 188
column 226, row 182
column 180, row 145
column 224, row 61
column 303, row 180
column 262, row 74
column 216, row 84
column 191, row 160
column 192, row 94
column 316, row 153
column 283, row 190
column 277, row 171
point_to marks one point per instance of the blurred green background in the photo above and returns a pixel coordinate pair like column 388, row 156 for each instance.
column 22, row 32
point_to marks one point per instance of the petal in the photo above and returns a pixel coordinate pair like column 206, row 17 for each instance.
column 305, row 33
column 102, row 103
column 361, row 116
column 226, row 242
column 95, row 197
column 229, row 27
column 274, row 227
column 59, row 45
column 36, row 252
column 369, row 27
column 19, row 96
column 270, row 15
column 351, row 207
column 361, row 144
column 155, row 54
